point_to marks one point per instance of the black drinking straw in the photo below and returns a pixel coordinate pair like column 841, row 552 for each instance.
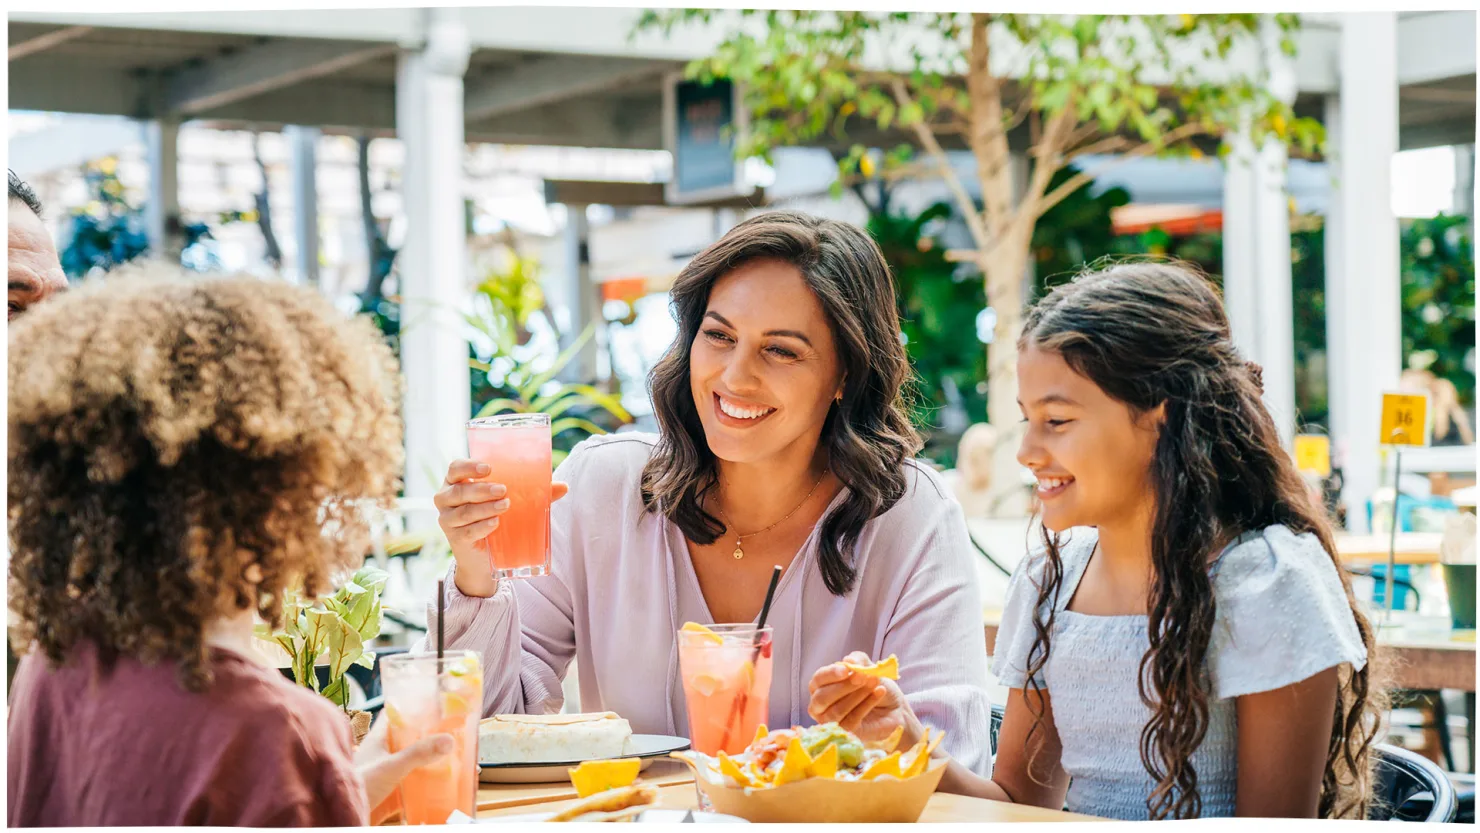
column 743, row 699
column 441, row 617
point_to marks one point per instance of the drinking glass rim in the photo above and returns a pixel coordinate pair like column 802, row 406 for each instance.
column 510, row 421
column 728, row 630
column 428, row 657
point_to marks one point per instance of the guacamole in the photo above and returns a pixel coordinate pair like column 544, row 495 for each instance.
column 818, row 738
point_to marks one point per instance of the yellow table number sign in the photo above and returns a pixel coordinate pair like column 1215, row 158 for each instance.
column 1313, row 454
column 1405, row 419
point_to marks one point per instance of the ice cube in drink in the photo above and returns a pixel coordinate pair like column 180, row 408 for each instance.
column 517, row 448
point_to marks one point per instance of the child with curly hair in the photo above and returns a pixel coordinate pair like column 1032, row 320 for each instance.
column 182, row 451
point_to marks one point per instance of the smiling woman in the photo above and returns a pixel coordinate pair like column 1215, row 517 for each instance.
column 784, row 443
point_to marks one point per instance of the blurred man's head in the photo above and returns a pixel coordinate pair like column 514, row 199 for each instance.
column 35, row 271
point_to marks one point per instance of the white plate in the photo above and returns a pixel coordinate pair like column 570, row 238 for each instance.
column 647, row 747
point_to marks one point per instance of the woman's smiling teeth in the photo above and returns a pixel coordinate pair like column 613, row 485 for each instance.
column 738, row 411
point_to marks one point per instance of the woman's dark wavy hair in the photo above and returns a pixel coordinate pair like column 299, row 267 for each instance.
column 1154, row 333
column 868, row 434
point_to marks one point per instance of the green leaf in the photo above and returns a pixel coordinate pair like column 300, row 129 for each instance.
column 562, row 425
column 532, row 388
column 500, row 405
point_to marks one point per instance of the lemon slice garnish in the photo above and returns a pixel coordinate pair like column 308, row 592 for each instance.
column 709, row 635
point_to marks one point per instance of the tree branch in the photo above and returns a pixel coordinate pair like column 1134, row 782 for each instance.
column 953, row 182
column 1083, row 178
column 1106, row 145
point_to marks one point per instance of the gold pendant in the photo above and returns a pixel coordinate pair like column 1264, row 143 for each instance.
column 739, row 553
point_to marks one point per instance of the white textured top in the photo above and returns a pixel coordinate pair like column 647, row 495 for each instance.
column 622, row 584
column 1282, row 616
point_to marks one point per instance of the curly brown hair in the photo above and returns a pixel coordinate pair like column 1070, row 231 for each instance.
column 184, row 449
column 1149, row 333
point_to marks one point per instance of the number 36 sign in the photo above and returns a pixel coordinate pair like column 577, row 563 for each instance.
column 1405, row 419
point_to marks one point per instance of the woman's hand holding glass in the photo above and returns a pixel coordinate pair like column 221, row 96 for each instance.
column 468, row 509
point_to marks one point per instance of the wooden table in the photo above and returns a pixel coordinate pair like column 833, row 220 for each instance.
column 662, row 773
column 942, row 808
column 1419, row 548
column 1425, row 653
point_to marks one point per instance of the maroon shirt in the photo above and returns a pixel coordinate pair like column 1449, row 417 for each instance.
column 134, row 748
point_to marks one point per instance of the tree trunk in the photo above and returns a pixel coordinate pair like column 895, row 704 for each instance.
column 381, row 255
column 1004, row 267
column 273, row 252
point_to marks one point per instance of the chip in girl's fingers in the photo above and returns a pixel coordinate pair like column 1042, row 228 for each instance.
column 887, row 669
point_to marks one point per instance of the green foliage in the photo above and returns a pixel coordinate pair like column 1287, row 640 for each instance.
column 938, row 307
column 808, row 74
column 336, row 628
column 108, row 230
column 1074, row 233
column 1439, row 299
column 514, row 380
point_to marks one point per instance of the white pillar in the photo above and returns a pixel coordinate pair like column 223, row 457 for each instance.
column 1275, row 307
column 1240, row 244
column 162, row 214
column 1464, row 187
column 303, row 144
column 1367, row 315
column 433, row 261
column 1256, row 247
column 1334, row 245
column 579, row 295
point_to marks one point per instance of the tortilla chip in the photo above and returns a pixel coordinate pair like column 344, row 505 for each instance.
column 795, row 765
column 610, row 801
column 887, row 668
column 890, row 743
column 760, row 732
column 826, row 764
column 918, row 756
column 727, row 766
column 885, row 766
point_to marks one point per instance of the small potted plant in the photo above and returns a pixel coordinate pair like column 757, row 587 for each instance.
column 333, row 632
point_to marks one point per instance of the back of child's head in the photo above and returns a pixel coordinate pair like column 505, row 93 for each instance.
column 185, row 448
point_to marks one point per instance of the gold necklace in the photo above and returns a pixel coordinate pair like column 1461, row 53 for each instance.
column 739, row 552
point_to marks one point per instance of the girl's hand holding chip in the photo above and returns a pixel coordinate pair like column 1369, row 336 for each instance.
column 870, row 707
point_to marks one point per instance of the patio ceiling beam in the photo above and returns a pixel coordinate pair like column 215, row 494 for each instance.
column 550, row 80
column 41, row 43
column 259, row 69
column 1435, row 45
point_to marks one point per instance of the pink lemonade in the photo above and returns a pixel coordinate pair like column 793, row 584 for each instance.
column 517, row 448
column 726, row 685
column 420, row 702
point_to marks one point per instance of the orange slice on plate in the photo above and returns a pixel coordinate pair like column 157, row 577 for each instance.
column 594, row 777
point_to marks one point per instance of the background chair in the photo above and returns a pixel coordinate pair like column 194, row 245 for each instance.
column 1410, row 787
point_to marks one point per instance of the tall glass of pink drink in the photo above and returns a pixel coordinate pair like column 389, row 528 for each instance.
column 517, row 448
column 726, row 671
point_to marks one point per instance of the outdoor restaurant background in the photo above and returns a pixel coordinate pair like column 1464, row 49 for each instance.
column 573, row 233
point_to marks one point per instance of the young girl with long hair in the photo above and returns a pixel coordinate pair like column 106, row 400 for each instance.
column 1185, row 643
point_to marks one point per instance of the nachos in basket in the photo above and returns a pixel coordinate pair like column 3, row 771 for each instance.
column 820, row 774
